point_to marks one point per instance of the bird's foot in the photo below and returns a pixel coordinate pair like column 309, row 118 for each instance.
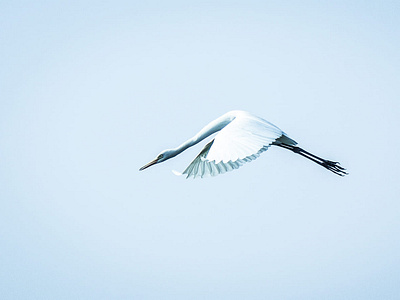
column 334, row 167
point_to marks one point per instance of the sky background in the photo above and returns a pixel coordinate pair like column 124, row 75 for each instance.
column 92, row 90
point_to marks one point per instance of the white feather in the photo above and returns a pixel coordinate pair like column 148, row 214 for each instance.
column 242, row 140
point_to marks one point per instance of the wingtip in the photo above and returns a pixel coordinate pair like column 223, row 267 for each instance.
column 177, row 173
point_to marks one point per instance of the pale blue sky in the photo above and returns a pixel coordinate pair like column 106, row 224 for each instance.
column 89, row 92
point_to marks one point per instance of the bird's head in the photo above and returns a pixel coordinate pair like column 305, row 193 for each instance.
column 163, row 156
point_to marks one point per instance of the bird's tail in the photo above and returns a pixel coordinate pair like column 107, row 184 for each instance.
column 332, row 166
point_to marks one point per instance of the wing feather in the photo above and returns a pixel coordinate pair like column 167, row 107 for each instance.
column 239, row 142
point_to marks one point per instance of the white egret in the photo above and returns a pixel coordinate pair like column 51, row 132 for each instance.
column 242, row 138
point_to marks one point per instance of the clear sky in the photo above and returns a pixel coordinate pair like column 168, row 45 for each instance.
column 91, row 90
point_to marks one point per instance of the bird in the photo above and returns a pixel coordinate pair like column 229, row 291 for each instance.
column 241, row 138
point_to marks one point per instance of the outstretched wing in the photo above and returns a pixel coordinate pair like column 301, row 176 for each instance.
column 241, row 141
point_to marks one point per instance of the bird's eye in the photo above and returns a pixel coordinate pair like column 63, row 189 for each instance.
column 160, row 156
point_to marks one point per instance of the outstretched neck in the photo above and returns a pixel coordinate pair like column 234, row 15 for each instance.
column 208, row 130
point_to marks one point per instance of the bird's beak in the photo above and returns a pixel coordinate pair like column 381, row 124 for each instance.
column 153, row 162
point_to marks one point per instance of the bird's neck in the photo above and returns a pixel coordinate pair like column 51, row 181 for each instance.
column 208, row 130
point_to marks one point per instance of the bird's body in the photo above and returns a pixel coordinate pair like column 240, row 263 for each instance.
column 241, row 138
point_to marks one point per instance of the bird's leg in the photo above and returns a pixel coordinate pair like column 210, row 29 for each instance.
column 332, row 166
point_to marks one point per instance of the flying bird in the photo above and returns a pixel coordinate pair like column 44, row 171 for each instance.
column 241, row 138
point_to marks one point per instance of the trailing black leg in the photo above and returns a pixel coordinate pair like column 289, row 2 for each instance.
column 332, row 166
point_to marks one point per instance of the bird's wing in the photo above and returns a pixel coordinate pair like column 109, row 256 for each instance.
column 241, row 141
